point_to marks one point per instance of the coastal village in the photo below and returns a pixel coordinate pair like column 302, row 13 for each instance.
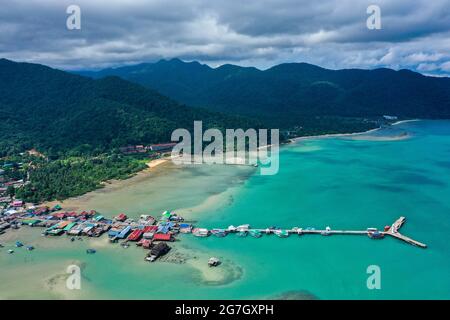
column 147, row 232
column 15, row 213
column 155, row 150
column 15, row 174
column 8, row 183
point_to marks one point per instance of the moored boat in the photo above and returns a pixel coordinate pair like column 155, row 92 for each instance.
column 200, row 232
column 375, row 235
column 326, row 232
column 243, row 227
column 185, row 227
column 282, row 233
column 54, row 232
column 213, row 262
column 255, row 233
column 219, row 232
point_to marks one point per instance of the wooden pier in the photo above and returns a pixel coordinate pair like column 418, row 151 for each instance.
column 393, row 232
column 374, row 233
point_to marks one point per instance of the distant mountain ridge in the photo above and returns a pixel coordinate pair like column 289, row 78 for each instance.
column 288, row 93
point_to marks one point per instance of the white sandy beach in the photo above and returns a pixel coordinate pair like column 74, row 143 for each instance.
column 355, row 134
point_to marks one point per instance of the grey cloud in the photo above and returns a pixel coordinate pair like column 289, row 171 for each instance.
column 331, row 33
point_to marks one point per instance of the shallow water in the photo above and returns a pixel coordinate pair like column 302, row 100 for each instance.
column 341, row 183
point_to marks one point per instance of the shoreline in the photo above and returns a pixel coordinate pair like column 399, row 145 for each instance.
column 338, row 135
column 332, row 135
column 405, row 121
column 158, row 165
column 156, row 162
column 73, row 203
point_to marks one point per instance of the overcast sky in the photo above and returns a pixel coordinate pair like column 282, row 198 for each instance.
column 262, row 33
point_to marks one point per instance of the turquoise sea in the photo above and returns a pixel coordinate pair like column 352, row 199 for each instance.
column 341, row 182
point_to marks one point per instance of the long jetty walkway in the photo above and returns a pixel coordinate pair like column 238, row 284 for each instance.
column 373, row 233
column 148, row 229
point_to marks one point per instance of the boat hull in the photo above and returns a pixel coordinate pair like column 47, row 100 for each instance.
column 202, row 233
column 256, row 234
column 282, row 234
column 219, row 234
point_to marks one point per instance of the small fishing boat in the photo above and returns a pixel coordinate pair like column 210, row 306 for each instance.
column 185, row 227
column 200, row 232
column 326, row 232
column 10, row 251
column 255, row 233
column 213, row 262
column 219, row 232
column 375, row 235
column 91, row 251
column 243, row 227
column 282, row 233
column 19, row 244
column 30, row 248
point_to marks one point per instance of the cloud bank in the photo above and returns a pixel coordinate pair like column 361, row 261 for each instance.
column 329, row 33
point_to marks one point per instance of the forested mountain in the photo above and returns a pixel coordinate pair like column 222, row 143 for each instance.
column 56, row 112
column 76, row 124
column 289, row 94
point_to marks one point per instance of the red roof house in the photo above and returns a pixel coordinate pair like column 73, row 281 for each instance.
column 121, row 217
column 162, row 237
